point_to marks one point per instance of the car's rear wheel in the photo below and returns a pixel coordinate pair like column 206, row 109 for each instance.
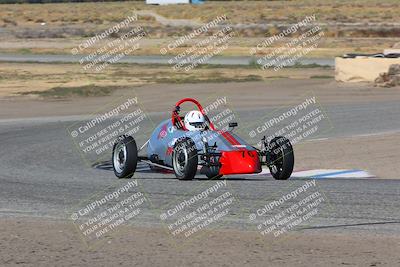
column 125, row 157
column 281, row 161
column 184, row 159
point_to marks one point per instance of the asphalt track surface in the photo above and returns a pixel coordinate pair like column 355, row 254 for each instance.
column 42, row 175
column 218, row 60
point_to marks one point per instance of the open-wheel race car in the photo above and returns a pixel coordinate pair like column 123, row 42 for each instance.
column 186, row 144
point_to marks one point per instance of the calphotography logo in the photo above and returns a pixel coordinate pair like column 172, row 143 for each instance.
column 215, row 40
column 303, row 121
column 95, row 137
column 306, row 38
column 102, row 54
column 204, row 209
column 199, row 133
column 290, row 211
column 104, row 213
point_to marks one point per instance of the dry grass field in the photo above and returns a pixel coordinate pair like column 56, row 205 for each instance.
column 69, row 80
column 246, row 12
column 349, row 26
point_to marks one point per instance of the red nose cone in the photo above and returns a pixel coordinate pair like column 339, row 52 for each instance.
column 239, row 162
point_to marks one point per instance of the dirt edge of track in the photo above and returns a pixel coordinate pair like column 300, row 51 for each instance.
column 33, row 242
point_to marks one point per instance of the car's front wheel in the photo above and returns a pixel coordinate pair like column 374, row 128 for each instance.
column 281, row 158
column 125, row 157
column 185, row 159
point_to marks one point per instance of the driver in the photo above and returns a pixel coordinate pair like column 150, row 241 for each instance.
column 194, row 121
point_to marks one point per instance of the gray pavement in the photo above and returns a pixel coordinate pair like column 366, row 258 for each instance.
column 42, row 174
column 218, row 60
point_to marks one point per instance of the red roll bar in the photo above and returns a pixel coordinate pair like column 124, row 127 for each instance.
column 177, row 119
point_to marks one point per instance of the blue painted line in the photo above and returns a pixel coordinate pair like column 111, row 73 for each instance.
column 324, row 175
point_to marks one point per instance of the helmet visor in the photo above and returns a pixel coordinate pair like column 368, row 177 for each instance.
column 199, row 125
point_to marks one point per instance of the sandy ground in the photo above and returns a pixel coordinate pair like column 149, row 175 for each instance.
column 267, row 93
column 33, row 242
column 25, row 77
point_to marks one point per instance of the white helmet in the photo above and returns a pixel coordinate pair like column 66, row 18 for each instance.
column 194, row 121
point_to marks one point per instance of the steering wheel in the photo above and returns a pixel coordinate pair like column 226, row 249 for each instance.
column 176, row 119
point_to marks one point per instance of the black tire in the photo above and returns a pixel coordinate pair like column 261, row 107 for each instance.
column 213, row 172
column 184, row 159
column 282, row 158
column 125, row 162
